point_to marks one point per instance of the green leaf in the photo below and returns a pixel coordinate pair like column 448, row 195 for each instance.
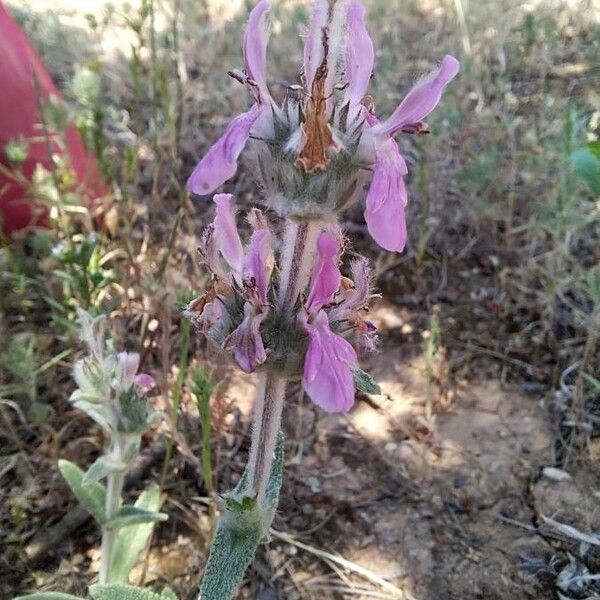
column 587, row 165
column 594, row 148
column 132, row 539
column 102, row 467
column 364, row 382
column 91, row 496
column 595, row 383
column 132, row 515
column 240, row 530
column 126, row 592
column 48, row 596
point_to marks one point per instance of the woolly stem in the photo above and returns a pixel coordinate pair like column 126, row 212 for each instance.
column 297, row 259
column 114, row 489
column 296, row 262
column 270, row 395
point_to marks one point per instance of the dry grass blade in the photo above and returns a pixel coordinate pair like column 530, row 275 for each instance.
column 571, row 532
column 346, row 564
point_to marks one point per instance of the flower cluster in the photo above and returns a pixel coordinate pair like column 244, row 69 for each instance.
column 109, row 388
column 280, row 303
column 242, row 312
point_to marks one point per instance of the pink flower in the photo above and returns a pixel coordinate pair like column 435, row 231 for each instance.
column 314, row 51
column 226, row 235
column 248, row 275
column 387, row 198
column 220, row 162
column 127, row 366
column 246, row 341
column 255, row 50
column 328, row 366
column 329, row 359
column 258, row 266
column 359, row 57
column 420, row 100
column 326, row 275
column 144, row 382
column 126, row 374
column 251, row 269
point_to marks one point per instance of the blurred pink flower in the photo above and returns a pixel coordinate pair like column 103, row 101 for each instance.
column 144, row 382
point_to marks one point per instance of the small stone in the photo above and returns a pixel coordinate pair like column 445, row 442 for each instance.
column 555, row 474
column 314, row 484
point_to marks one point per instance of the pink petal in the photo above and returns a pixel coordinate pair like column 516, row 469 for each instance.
column 248, row 348
column 387, row 198
column 127, row 366
column 328, row 367
column 255, row 48
column 144, row 381
column 226, row 234
column 314, row 51
column 258, row 262
column 326, row 275
column 421, row 99
column 220, row 162
column 359, row 55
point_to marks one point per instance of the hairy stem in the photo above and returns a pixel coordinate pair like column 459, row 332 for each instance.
column 270, row 395
column 114, row 489
column 297, row 258
column 296, row 261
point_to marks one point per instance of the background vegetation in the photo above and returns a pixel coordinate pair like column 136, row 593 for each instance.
column 500, row 286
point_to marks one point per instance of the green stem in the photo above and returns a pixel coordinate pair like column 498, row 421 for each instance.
column 176, row 396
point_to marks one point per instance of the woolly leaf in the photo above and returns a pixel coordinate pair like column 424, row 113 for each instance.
column 132, row 515
column 126, row 592
column 92, row 496
column 240, row 530
column 364, row 382
column 102, row 467
column 132, row 539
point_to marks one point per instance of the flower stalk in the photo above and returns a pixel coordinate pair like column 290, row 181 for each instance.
column 270, row 397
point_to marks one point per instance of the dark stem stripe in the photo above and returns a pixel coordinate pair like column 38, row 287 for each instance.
column 267, row 423
column 292, row 292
